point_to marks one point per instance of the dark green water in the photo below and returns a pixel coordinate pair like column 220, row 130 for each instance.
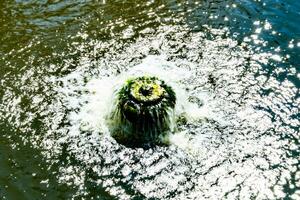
column 240, row 57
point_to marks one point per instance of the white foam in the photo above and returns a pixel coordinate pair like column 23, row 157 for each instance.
column 97, row 98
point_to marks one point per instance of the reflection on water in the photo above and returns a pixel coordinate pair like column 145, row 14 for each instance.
column 234, row 63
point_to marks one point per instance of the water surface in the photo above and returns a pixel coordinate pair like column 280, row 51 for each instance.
column 236, row 63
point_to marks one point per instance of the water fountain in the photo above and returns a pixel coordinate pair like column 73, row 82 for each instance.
column 230, row 68
column 143, row 112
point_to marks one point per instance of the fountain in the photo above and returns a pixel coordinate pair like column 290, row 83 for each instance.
column 143, row 112
column 78, row 92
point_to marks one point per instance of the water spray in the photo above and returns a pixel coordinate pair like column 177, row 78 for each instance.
column 143, row 112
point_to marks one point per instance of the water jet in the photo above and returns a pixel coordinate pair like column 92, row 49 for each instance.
column 143, row 112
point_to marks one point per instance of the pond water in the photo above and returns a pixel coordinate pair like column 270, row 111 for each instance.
column 235, row 64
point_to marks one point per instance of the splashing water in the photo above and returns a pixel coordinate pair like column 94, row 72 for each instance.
column 223, row 146
column 100, row 94
column 236, row 136
column 143, row 112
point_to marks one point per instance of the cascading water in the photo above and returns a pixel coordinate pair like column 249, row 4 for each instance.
column 143, row 112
